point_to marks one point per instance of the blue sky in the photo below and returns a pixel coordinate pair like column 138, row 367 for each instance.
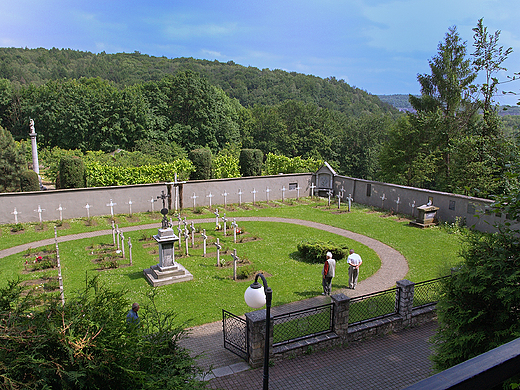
column 376, row 45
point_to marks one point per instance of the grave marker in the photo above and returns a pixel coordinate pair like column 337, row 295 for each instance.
column 130, row 249
column 350, row 199
column 194, row 197
column 60, row 209
column 383, row 200
column 192, row 227
column 40, row 211
column 87, row 206
column 283, row 193
column 397, row 207
column 129, row 203
column 111, row 205
column 312, row 186
column 186, row 237
column 234, row 226
column 113, row 233
column 204, row 238
column 16, row 215
column 225, row 194
column 224, row 219
column 267, row 194
column 152, row 201
column 240, row 197
column 254, row 195
column 217, row 244
column 235, row 260
column 123, row 243
column 209, row 196
column 216, row 218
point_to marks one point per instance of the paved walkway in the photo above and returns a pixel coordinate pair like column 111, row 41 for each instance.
column 391, row 362
column 206, row 341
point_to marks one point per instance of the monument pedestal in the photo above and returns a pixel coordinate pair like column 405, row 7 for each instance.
column 427, row 216
column 167, row 271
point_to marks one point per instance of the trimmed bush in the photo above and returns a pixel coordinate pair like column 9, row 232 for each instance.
column 201, row 159
column 29, row 181
column 315, row 251
column 72, row 173
column 251, row 162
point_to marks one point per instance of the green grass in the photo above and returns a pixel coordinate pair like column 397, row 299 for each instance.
column 428, row 252
column 301, row 327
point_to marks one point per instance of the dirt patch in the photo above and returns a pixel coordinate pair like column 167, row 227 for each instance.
column 63, row 226
column 132, row 219
column 91, row 222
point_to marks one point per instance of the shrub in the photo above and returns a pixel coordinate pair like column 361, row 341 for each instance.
column 87, row 344
column 29, row 181
column 201, row 159
column 72, row 172
column 315, row 251
column 251, row 162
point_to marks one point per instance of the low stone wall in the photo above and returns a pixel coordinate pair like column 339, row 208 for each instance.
column 341, row 333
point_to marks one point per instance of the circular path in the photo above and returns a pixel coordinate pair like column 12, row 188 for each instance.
column 206, row 340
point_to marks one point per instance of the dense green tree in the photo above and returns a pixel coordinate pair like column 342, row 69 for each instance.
column 408, row 157
column 12, row 162
column 86, row 114
column 479, row 305
column 201, row 159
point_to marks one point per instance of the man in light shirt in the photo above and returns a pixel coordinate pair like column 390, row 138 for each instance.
column 354, row 261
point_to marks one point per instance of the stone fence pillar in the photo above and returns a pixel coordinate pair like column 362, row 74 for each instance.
column 405, row 300
column 341, row 307
column 256, row 337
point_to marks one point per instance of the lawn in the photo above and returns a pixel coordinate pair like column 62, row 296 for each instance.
column 430, row 252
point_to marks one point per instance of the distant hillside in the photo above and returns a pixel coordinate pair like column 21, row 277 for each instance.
column 402, row 104
column 247, row 84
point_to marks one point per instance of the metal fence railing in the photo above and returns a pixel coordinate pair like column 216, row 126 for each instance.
column 302, row 324
column 373, row 306
column 427, row 293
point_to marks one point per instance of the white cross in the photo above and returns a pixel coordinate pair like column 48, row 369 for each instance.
column 192, row 227
column 87, row 206
column 254, row 195
column 397, row 201
column 179, row 230
column 204, row 238
column 312, row 186
column 329, row 194
column 152, row 201
column 40, row 211
column 186, row 236
column 225, row 194
column 60, row 209
column 209, row 196
column 130, row 205
column 267, row 193
column 111, row 204
column 194, row 197
column 350, row 199
column 235, row 260
column 234, row 226
column 217, row 244
column 339, row 200
column 16, row 215
column 240, row 196
column 298, row 192
column 413, row 208
column 342, row 191
column 130, row 249
column 283, row 192
column 224, row 219
column 383, row 200
column 216, row 218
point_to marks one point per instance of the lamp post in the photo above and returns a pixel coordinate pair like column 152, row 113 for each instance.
column 256, row 297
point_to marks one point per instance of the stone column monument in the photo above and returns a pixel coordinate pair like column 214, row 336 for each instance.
column 36, row 165
column 167, row 271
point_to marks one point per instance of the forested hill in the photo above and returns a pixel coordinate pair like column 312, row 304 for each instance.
column 247, row 84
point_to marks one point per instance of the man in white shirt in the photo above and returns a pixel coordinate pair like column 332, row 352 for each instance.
column 354, row 261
